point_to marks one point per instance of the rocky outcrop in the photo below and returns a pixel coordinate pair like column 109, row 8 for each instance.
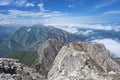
column 84, row 61
column 47, row 53
column 12, row 69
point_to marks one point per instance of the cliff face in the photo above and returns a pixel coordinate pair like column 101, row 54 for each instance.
column 12, row 69
column 83, row 61
column 47, row 53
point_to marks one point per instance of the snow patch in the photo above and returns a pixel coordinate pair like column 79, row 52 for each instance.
column 28, row 30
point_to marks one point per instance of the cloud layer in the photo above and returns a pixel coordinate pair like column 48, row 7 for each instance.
column 73, row 28
column 59, row 12
column 112, row 45
column 27, row 17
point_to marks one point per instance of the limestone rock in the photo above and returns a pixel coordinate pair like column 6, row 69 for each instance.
column 83, row 61
column 12, row 69
column 47, row 53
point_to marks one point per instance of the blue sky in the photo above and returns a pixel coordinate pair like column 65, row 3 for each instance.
column 59, row 11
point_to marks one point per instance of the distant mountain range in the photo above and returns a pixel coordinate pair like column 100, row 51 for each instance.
column 30, row 38
column 106, row 34
column 27, row 38
column 92, row 34
column 6, row 32
column 57, row 59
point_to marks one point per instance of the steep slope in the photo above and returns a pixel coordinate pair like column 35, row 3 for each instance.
column 8, row 47
column 30, row 38
column 84, row 61
column 28, row 58
column 47, row 53
column 6, row 32
column 12, row 69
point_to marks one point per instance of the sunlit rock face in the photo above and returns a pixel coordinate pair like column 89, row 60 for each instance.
column 12, row 69
column 83, row 61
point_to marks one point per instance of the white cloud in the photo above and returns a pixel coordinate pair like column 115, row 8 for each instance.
column 47, row 15
column 105, row 3
column 5, row 2
column 98, row 26
column 112, row 45
column 13, row 2
column 56, row 17
column 71, row 6
column 25, row 13
column 41, row 6
column 29, row 5
column 76, row 20
column 87, row 32
column 39, row 14
column 113, row 12
column 67, row 28
column 20, row 2
column 73, row 28
column 22, row 17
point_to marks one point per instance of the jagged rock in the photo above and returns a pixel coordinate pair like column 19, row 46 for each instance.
column 47, row 53
column 84, row 61
column 12, row 69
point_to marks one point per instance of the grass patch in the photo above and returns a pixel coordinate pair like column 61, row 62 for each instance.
column 28, row 58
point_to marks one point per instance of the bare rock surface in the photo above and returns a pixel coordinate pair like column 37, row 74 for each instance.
column 12, row 69
column 47, row 53
column 84, row 61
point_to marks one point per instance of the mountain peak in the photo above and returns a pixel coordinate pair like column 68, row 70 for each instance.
column 83, row 61
column 29, row 38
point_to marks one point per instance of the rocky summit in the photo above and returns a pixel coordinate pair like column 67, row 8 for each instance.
column 84, row 61
column 59, row 61
column 12, row 69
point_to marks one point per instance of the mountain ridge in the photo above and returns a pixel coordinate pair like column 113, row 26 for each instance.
column 30, row 38
column 84, row 61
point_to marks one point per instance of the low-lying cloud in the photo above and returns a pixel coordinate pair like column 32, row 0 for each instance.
column 73, row 28
column 112, row 45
